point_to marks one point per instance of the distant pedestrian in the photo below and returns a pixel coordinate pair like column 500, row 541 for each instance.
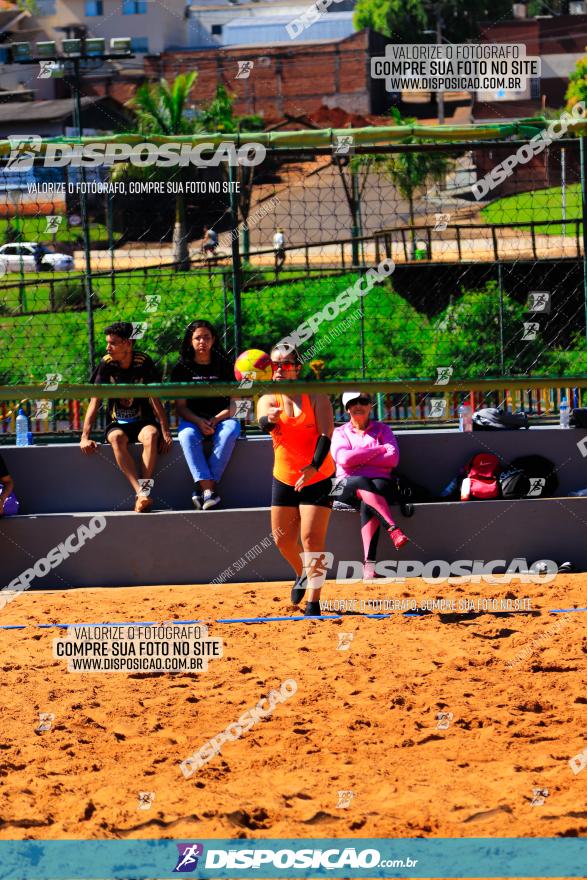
column 209, row 242
column 279, row 248
column 38, row 254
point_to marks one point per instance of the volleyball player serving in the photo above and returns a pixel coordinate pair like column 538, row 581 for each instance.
column 301, row 426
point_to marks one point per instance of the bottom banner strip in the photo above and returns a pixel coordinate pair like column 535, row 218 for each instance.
column 290, row 858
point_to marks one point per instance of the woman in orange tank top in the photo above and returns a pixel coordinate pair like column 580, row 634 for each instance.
column 301, row 426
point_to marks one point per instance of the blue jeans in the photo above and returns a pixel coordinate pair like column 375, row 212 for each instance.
column 225, row 436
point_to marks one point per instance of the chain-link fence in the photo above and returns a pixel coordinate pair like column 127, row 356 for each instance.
column 488, row 279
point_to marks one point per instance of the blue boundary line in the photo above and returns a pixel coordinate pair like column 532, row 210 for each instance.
column 566, row 610
column 422, row 613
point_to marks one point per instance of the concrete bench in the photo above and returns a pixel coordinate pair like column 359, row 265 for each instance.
column 60, row 490
column 58, row 478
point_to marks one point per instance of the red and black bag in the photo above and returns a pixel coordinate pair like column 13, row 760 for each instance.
column 482, row 473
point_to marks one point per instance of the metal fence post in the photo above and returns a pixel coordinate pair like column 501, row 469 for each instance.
column 501, row 352
column 355, row 227
column 584, row 216
column 224, row 310
column 110, row 223
column 236, row 265
column 84, row 214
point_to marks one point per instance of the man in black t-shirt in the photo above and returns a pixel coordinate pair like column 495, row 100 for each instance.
column 130, row 419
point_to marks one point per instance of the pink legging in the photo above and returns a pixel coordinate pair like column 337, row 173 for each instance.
column 373, row 509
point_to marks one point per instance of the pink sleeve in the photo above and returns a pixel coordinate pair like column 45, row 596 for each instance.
column 365, row 455
column 384, row 455
column 391, row 446
column 340, row 446
column 345, row 455
column 389, row 456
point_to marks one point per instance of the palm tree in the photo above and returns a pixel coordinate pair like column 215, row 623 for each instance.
column 410, row 172
column 218, row 116
column 160, row 109
column 354, row 173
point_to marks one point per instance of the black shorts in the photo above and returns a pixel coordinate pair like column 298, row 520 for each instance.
column 317, row 494
column 131, row 429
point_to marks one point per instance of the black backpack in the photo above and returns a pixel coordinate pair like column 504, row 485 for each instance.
column 514, row 483
column 541, row 473
column 491, row 419
column 579, row 417
column 406, row 493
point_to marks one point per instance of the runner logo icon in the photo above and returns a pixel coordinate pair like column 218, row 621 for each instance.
column 23, row 149
column 187, row 860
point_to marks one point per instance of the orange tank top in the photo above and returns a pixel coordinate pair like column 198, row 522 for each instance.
column 294, row 442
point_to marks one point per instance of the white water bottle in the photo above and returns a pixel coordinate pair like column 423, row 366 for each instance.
column 22, row 429
column 465, row 418
column 466, row 489
column 564, row 414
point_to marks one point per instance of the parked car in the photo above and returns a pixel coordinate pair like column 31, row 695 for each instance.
column 21, row 257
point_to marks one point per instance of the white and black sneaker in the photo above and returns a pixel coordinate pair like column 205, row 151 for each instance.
column 197, row 500
column 211, row 499
column 340, row 505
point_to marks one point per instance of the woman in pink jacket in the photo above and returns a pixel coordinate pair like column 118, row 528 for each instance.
column 365, row 453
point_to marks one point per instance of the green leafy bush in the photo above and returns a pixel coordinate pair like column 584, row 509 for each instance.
column 400, row 342
column 69, row 295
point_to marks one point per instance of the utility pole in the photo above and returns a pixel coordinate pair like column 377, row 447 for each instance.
column 439, row 94
column 437, row 9
column 583, row 155
column 84, row 215
column 236, row 264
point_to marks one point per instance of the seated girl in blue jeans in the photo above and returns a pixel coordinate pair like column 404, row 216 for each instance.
column 202, row 359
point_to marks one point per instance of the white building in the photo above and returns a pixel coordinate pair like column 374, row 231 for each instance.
column 152, row 26
column 262, row 22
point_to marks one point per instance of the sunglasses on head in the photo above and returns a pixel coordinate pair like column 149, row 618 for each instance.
column 364, row 401
column 287, row 365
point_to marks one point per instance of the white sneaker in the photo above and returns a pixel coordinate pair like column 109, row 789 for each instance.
column 210, row 499
column 368, row 571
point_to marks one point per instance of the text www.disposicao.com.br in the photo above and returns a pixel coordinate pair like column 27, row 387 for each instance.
column 135, row 664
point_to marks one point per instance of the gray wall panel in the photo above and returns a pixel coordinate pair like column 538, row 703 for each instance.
column 58, row 478
column 196, row 547
column 183, row 546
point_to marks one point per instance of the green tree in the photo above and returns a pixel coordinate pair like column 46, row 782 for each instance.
column 161, row 108
column 410, row 172
column 354, row 174
column 566, row 362
column 467, row 337
column 577, row 88
column 553, row 7
column 405, row 20
column 396, row 335
column 219, row 115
